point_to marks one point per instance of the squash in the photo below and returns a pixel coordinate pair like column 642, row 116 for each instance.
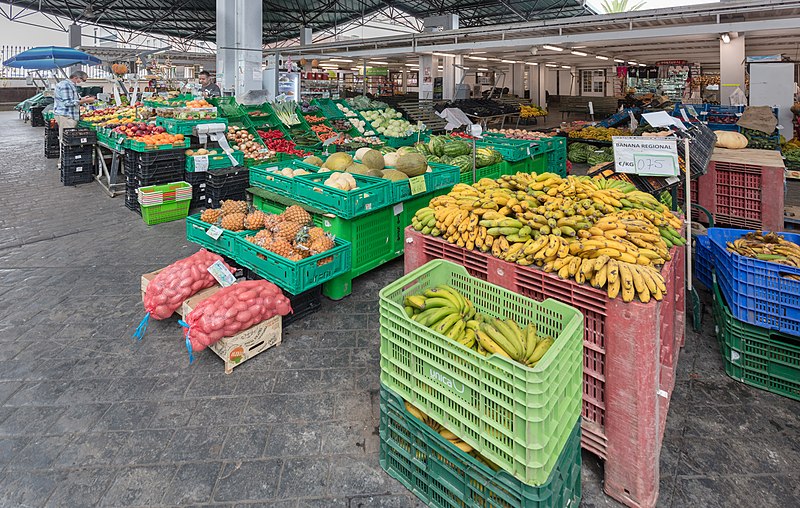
column 728, row 139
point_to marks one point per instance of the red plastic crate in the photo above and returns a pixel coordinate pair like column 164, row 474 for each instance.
column 627, row 380
column 747, row 196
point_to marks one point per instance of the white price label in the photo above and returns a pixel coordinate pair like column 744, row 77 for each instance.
column 398, row 208
column 215, row 232
column 201, row 163
column 646, row 156
column 655, row 164
column 221, row 273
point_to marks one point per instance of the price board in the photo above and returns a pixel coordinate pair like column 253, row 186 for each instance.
column 646, row 156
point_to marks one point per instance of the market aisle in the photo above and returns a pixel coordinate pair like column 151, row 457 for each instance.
column 89, row 417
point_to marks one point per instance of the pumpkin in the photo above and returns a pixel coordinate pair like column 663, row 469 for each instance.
column 119, row 69
column 728, row 139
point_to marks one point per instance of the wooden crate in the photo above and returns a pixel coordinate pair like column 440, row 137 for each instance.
column 243, row 346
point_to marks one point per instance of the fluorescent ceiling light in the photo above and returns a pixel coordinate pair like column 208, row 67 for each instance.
column 642, row 65
column 355, row 69
column 578, row 53
column 533, row 63
column 601, row 57
column 550, row 65
column 578, row 47
column 726, row 39
column 482, row 69
column 341, row 60
column 552, row 48
column 477, row 58
column 565, row 66
column 619, row 61
column 412, row 65
column 376, row 62
column 444, row 54
column 494, row 59
column 508, row 61
column 633, row 63
column 478, row 52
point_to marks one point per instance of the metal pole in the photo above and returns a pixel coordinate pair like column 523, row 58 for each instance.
column 688, row 201
column 474, row 158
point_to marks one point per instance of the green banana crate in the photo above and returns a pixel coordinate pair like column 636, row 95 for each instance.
column 517, row 417
column 523, row 166
column 512, row 150
column 443, row 476
column 538, row 164
column 493, row 172
column 218, row 161
column 293, row 276
column 758, row 357
column 196, row 232
column 268, row 177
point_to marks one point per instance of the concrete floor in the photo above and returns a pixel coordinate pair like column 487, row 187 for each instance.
column 90, row 417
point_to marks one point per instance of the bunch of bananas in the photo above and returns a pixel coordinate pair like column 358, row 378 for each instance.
column 598, row 133
column 770, row 247
column 578, row 227
column 446, row 311
column 461, row 445
column 526, row 111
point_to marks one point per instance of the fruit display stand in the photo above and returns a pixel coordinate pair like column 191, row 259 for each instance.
column 376, row 238
column 627, row 381
column 443, row 476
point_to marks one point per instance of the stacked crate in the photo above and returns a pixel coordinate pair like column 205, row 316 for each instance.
column 757, row 313
column 77, row 156
column 157, row 167
column 522, row 424
column 52, row 149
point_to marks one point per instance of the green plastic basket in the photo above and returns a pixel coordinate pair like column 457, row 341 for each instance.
column 196, row 232
column 441, row 176
column 328, row 107
column 758, row 357
column 517, row 417
column 165, row 212
column 372, row 194
column 227, row 106
column 268, row 176
column 512, row 150
column 523, row 166
column 293, row 276
column 404, row 141
column 218, row 161
column 141, row 146
column 492, row 172
column 443, row 476
column 186, row 127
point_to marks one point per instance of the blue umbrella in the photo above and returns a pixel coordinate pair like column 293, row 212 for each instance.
column 50, row 57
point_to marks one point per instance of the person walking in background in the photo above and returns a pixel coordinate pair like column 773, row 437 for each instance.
column 66, row 106
column 209, row 87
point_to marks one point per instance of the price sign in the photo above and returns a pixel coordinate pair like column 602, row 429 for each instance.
column 417, row 185
column 221, row 273
column 215, row 232
column 200, row 163
column 646, row 156
column 655, row 164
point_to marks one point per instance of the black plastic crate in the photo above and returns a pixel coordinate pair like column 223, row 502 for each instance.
column 51, row 134
column 37, row 117
column 172, row 169
column 79, row 136
column 198, row 182
column 77, row 174
column 304, row 304
column 214, row 200
column 225, row 177
column 79, row 157
column 155, row 157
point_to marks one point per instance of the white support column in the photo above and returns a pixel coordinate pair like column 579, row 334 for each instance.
column 239, row 43
column 518, row 80
column 542, row 71
column 731, row 68
column 533, row 82
column 448, row 77
column 427, row 71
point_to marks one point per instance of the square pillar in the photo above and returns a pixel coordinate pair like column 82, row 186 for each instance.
column 428, row 67
column 731, row 68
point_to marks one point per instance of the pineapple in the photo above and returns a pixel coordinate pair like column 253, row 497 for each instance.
column 230, row 206
column 233, row 221
column 287, row 230
column 262, row 238
column 270, row 221
column 315, row 233
column 296, row 214
column 280, row 247
column 211, row 215
column 255, row 220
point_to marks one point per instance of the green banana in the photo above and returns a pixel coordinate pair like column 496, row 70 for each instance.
column 501, row 340
column 444, row 325
column 541, row 349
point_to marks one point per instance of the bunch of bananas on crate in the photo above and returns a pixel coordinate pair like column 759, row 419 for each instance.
column 446, row 311
column 770, row 247
column 604, row 232
column 461, row 445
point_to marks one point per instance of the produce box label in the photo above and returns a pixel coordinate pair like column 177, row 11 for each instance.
column 215, row 232
column 417, row 184
column 222, row 274
column 453, row 385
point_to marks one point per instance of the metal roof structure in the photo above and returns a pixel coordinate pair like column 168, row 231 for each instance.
column 196, row 19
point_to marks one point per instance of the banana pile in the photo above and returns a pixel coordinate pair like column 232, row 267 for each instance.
column 770, row 247
column 604, row 232
column 446, row 311
column 430, row 422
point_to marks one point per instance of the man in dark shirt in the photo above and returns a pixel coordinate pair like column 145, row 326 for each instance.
column 208, row 87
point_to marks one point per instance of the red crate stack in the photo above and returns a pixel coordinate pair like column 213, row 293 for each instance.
column 748, row 196
column 627, row 381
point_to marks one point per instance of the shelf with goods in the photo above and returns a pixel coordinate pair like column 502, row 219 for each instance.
column 319, row 88
column 632, row 344
column 379, row 86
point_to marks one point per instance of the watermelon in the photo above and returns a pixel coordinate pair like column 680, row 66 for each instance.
column 433, row 158
column 436, row 145
column 456, row 148
column 464, row 163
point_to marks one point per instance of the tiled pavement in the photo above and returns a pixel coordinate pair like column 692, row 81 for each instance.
column 90, row 417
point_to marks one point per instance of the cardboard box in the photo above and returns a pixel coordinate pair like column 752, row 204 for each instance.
column 148, row 277
column 794, row 175
column 243, row 346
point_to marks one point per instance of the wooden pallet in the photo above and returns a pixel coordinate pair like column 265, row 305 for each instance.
column 423, row 111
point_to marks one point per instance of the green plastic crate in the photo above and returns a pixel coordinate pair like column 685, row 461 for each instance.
column 196, row 233
column 328, row 108
column 441, row 176
column 523, row 166
column 186, row 127
column 538, row 164
column 518, row 417
column 756, row 356
column 165, row 212
column 268, row 177
column 141, row 146
column 372, row 194
column 493, row 172
column 227, row 106
column 219, row 161
column 404, row 141
column 293, row 276
column 512, row 150
column 443, row 476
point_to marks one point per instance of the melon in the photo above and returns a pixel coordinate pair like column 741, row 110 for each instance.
column 373, row 159
column 360, row 153
column 390, row 159
column 358, row 169
column 313, row 159
column 412, row 164
column 338, row 161
column 394, row 175
column 375, row 172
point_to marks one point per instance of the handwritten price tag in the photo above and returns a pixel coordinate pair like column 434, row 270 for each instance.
column 215, row 232
column 201, row 163
column 417, row 185
column 222, row 274
column 655, row 164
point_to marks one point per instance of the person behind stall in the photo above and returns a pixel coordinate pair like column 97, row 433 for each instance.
column 67, row 104
column 208, row 85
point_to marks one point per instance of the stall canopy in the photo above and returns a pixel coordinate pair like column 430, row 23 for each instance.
column 50, row 57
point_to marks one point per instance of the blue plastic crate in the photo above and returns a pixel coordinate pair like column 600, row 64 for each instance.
column 756, row 291
column 703, row 261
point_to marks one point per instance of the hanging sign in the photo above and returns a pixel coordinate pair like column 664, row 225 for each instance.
column 646, row 156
